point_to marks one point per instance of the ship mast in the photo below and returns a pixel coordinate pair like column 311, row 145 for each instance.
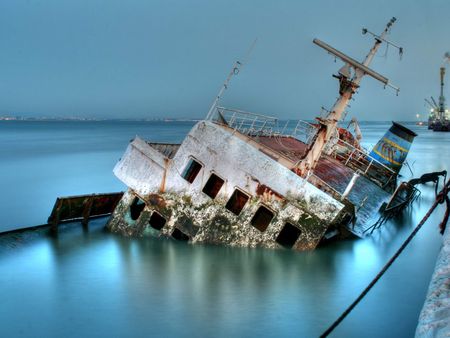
column 234, row 71
column 348, row 85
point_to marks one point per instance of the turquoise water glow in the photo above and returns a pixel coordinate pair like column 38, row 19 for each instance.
column 93, row 283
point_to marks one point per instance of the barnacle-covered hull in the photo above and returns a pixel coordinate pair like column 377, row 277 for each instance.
column 218, row 188
column 226, row 184
column 242, row 179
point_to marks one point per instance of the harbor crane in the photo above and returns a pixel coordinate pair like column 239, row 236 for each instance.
column 438, row 120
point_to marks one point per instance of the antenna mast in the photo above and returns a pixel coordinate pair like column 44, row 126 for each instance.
column 234, row 71
column 348, row 84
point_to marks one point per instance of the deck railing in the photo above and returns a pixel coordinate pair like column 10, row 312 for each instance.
column 260, row 125
column 304, row 131
column 246, row 122
column 359, row 159
column 252, row 124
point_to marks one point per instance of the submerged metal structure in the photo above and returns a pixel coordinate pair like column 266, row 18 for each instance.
column 246, row 179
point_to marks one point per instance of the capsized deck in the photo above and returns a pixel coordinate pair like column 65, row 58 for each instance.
column 366, row 196
column 287, row 146
column 330, row 172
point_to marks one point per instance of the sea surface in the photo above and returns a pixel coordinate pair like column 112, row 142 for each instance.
column 93, row 283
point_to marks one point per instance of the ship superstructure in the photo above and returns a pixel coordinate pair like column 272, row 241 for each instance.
column 246, row 179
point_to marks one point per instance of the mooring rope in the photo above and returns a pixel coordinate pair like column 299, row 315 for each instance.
column 440, row 198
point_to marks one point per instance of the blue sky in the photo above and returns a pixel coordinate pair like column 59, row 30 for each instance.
column 134, row 59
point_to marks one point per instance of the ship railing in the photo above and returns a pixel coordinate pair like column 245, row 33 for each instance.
column 359, row 159
column 253, row 124
column 300, row 129
column 246, row 122
column 322, row 185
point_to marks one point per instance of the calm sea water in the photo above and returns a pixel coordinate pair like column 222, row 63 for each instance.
column 98, row 284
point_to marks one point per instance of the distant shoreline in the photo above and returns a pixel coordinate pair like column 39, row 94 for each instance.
column 80, row 119
column 76, row 119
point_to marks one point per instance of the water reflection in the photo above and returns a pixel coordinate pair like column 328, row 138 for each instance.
column 93, row 283
column 99, row 280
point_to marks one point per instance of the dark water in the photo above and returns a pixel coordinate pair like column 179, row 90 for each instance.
column 97, row 284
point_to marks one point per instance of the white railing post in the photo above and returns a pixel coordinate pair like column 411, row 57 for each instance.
column 367, row 169
column 253, row 123
column 350, row 186
column 348, row 159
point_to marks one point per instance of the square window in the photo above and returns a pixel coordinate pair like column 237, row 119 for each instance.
column 136, row 208
column 156, row 221
column 288, row 235
column 179, row 235
column 262, row 218
column 213, row 186
column 237, row 202
column 191, row 171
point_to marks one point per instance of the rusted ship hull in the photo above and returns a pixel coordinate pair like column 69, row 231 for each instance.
column 242, row 179
column 227, row 187
column 238, row 196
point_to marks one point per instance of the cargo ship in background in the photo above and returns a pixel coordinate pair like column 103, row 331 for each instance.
column 439, row 118
column 245, row 179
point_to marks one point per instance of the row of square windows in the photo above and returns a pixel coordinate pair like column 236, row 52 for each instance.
column 287, row 236
column 263, row 216
column 261, row 220
column 156, row 221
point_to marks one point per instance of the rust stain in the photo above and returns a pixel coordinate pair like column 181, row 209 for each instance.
column 156, row 200
column 286, row 146
column 348, row 137
column 267, row 193
column 162, row 188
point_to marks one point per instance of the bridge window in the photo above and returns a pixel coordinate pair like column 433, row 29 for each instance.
column 237, row 202
column 288, row 235
column 191, row 171
column 262, row 218
column 213, row 186
column 156, row 221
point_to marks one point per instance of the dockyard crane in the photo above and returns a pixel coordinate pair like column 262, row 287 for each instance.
column 441, row 114
column 432, row 105
column 438, row 120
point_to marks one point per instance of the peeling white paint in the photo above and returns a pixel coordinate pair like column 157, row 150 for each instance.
column 241, row 166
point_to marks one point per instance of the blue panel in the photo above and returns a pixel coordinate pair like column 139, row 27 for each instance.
column 392, row 149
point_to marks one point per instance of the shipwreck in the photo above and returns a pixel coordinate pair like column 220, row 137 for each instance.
column 246, row 179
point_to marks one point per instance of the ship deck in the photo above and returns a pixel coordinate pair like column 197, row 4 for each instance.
column 366, row 196
column 286, row 146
